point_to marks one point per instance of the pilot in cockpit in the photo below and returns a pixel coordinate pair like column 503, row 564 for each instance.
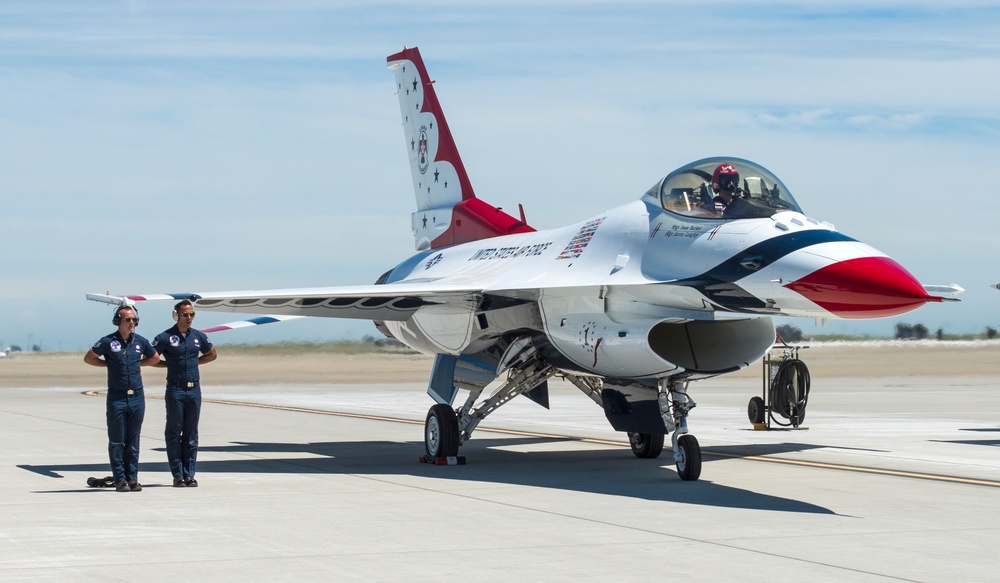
column 726, row 186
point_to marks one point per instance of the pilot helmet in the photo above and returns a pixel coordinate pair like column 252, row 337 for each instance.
column 725, row 178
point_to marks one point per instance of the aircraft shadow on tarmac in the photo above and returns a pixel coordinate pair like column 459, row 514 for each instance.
column 993, row 442
column 596, row 470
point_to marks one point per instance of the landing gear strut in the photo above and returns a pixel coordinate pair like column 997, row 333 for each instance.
column 446, row 429
column 675, row 404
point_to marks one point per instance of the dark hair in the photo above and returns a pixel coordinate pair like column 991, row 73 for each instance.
column 116, row 318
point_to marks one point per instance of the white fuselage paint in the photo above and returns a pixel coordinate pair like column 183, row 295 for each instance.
column 594, row 282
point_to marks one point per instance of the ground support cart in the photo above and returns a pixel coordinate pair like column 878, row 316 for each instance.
column 785, row 391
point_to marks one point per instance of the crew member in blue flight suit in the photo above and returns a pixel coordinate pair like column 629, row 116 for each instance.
column 184, row 348
column 123, row 353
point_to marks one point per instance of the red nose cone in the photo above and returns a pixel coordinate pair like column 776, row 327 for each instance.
column 866, row 287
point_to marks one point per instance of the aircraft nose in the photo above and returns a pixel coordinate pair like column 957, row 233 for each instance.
column 863, row 287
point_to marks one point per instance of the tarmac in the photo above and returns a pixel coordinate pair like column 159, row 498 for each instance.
column 889, row 479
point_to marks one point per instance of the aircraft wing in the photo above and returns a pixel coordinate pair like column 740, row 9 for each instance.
column 399, row 301
column 392, row 302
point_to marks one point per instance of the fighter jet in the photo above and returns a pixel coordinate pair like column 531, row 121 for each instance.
column 630, row 305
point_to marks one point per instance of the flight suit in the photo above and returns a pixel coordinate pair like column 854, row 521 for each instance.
column 183, row 396
column 126, row 403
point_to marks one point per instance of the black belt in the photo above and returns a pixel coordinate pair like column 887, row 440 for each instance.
column 124, row 391
column 188, row 385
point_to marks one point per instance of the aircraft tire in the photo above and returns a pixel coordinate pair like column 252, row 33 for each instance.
column 646, row 445
column 689, row 464
column 756, row 410
column 441, row 432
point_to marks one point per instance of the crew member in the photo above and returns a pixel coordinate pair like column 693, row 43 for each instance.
column 184, row 348
column 726, row 185
column 123, row 352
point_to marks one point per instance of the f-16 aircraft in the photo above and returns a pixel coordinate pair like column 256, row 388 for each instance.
column 630, row 305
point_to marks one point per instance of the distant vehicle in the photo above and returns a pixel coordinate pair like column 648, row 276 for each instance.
column 628, row 305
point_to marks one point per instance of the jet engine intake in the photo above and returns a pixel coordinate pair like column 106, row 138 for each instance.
column 713, row 346
column 656, row 348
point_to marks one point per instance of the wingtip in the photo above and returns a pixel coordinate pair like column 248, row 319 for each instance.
column 106, row 298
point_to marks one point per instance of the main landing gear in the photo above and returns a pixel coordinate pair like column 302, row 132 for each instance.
column 446, row 429
column 646, row 445
column 441, row 432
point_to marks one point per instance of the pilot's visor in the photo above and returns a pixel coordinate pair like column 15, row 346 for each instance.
column 729, row 182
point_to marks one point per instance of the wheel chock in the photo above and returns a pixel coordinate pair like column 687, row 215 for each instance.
column 106, row 482
column 760, row 426
column 451, row 460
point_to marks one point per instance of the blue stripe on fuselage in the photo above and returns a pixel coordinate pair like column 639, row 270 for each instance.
column 717, row 283
column 770, row 251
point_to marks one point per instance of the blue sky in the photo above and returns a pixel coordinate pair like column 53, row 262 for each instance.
column 191, row 146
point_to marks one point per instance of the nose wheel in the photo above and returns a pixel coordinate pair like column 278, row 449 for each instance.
column 687, row 455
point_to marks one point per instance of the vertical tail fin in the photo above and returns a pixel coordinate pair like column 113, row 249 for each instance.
column 448, row 211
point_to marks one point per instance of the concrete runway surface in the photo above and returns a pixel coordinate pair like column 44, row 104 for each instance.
column 893, row 479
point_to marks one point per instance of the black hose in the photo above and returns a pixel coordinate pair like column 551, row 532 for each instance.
column 790, row 391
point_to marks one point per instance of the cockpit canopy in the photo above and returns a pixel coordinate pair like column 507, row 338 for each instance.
column 688, row 191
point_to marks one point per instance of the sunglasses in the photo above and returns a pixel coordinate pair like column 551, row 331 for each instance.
column 186, row 315
column 132, row 320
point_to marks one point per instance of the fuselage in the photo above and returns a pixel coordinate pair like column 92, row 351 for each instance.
column 787, row 264
column 650, row 289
